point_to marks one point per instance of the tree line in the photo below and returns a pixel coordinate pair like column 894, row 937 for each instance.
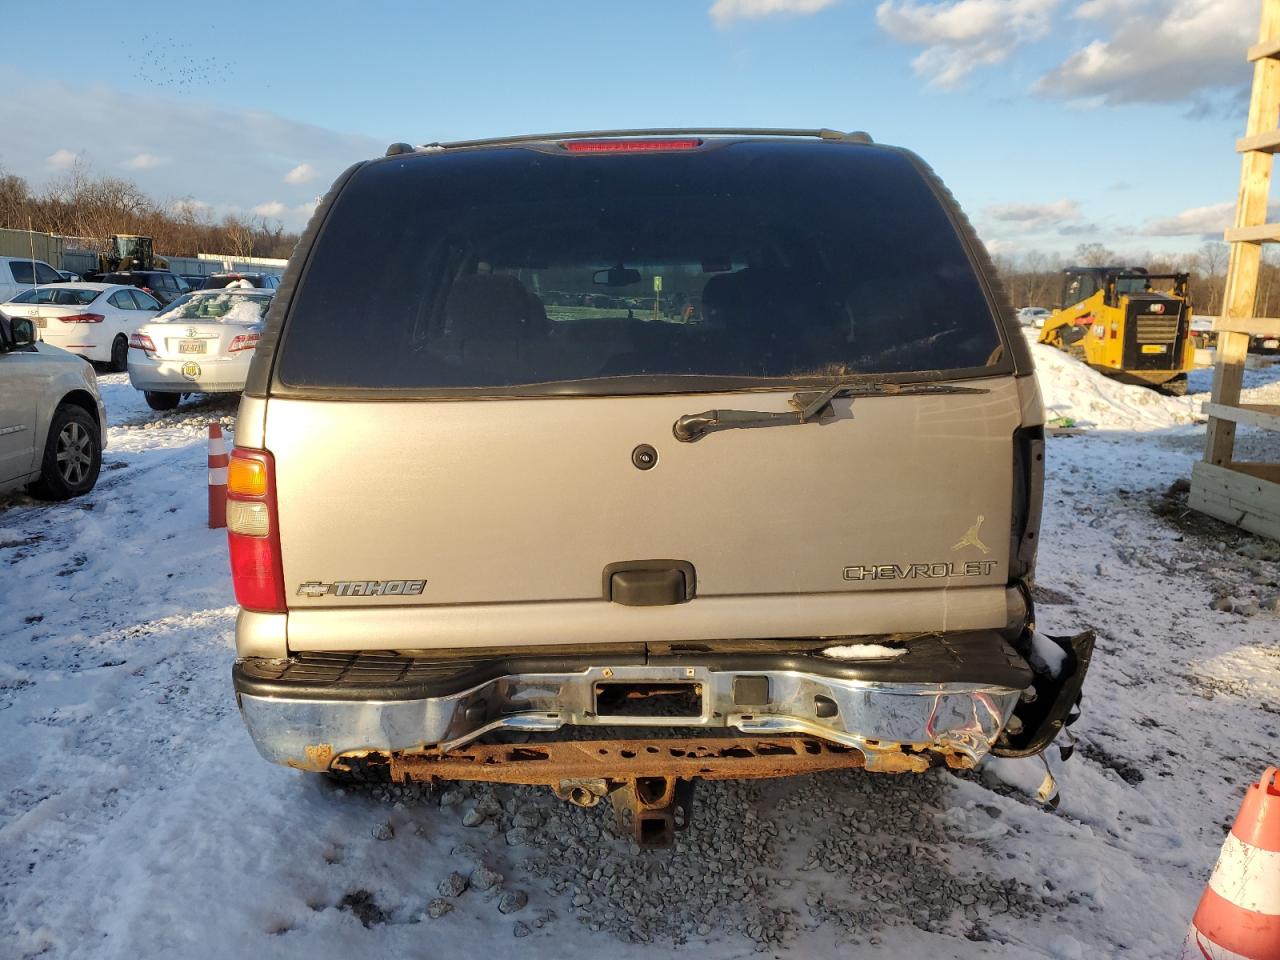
column 82, row 205
column 1034, row 279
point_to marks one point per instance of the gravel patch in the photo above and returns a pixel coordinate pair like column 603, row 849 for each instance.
column 767, row 860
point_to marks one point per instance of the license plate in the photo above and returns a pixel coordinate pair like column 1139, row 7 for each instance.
column 1153, row 348
column 191, row 346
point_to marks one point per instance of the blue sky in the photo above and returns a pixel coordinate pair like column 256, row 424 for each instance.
column 1055, row 122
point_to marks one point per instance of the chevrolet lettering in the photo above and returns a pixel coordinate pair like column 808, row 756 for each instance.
column 915, row 571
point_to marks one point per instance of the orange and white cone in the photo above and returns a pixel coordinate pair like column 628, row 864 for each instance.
column 218, row 462
column 1239, row 915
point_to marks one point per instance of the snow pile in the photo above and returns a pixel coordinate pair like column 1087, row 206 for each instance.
column 863, row 651
column 1046, row 656
column 1074, row 390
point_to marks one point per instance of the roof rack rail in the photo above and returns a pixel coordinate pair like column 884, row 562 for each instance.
column 856, row 136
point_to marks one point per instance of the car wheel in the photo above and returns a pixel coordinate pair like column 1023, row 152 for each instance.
column 72, row 455
column 119, row 354
column 161, row 401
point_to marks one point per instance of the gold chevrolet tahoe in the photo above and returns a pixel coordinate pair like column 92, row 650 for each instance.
column 614, row 461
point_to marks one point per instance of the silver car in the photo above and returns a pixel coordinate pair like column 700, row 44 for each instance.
column 200, row 343
column 52, row 421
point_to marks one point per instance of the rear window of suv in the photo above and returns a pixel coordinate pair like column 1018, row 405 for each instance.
column 527, row 271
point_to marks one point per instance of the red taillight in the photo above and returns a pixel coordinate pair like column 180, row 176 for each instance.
column 82, row 318
column 245, row 341
column 253, row 534
column 140, row 341
column 628, row 146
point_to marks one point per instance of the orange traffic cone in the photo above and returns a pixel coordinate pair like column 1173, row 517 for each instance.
column 218, row 461
column 1239, row 915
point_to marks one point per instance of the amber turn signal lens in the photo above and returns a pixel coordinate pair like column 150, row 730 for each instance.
column 247, row 478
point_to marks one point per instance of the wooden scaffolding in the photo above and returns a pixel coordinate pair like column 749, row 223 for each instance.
column 1245, row 494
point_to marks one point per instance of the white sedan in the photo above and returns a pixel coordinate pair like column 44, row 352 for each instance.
column 94, row 320
column 1033, row 316
column 201, row 343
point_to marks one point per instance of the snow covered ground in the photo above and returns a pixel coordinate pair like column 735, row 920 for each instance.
column 136, row 820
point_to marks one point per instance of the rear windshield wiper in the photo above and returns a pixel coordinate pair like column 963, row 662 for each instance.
column 809, row 407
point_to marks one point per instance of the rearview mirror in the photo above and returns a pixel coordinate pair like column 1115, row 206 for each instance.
column 24, row 332
column 618, row 276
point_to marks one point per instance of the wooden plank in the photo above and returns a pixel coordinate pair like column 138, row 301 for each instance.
column 1265, row 49
column 1238, row 497
column 1234, row 513
column 1264, row 415
column 1264, row 471
column 1257, row 326
column 1268, row 142
column 1259, row 233
column 1228, row 376
column 1261, row 494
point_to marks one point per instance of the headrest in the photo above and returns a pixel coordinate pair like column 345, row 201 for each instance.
column 486, row 306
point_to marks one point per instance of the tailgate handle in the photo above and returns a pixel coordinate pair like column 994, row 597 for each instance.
column 649, row 583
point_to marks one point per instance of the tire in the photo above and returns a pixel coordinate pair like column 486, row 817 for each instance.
column 72, row 455
column 161, row 401
column 119, row 362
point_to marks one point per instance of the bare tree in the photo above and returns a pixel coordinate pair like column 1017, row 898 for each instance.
column 81, row 205
column 1211, row 263
column 1094, row 255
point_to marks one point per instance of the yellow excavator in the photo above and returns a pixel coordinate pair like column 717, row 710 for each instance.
column 1126, row 323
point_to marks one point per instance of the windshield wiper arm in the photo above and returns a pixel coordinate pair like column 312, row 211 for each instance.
column 810, row 407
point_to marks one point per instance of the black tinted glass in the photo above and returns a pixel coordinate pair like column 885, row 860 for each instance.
column 520, row 266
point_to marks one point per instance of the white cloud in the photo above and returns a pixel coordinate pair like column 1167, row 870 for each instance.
column 251, row 144
column 1212, row 219
column 302, row 173
column 724, row 12
column 190, row 205
column 62, row 159
column 1000, row 248
column 1163, row 51
column 1027, row 217
column 1108, row 9
column 145, row 161
column 960, row 35
column 272, row 208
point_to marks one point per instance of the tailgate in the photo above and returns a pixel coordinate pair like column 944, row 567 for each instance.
column 893, row 516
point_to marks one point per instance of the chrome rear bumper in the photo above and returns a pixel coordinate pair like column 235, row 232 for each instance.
column 895, row 721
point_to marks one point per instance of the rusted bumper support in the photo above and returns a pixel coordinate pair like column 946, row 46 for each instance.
column 649, row 783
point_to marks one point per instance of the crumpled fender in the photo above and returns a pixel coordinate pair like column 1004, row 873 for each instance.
column 1045, row 716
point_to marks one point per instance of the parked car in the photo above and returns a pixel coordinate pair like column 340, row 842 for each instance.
column 23, row 273
column 217, row 281
column 201, row 343
column 93, row 320
column 1033, row 316
column 1266, row 342
column 452, row 518
column 69, row 277
column 194, row 281
column 164, row 285
column 1202, row 332
column 51, row 416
